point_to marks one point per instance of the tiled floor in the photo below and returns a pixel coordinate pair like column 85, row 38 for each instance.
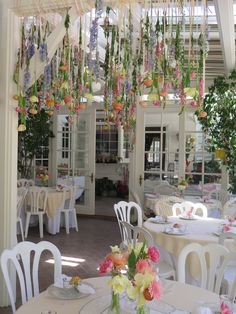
column 91, row 243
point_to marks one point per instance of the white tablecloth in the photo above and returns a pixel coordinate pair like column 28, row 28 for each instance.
column 178, row 295
column 198, row 231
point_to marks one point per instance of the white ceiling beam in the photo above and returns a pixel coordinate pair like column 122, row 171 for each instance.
column 225, row 19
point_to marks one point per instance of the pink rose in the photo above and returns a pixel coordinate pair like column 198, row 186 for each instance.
column 155, row 289
column 143, row 266
column 105, row 266
column 224, row 309
column 153, row 254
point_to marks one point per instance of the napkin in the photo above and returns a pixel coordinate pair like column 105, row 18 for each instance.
column 204, row 310
column 59, row 281
column 85, row 288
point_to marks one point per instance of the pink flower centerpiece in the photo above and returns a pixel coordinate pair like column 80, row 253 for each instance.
column 133, row 272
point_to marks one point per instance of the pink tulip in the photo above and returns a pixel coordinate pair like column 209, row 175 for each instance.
column 18, row 109
column 224, row 309
column 143, row 266
column 227, row 228
column 153, row 254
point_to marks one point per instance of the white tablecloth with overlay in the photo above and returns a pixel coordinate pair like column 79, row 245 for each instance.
column 176, row 294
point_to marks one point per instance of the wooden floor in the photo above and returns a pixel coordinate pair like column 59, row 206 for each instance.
column 90, row 244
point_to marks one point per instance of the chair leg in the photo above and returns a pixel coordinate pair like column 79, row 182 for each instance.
column 67, row 221
column 27, row 224
column 75, row 218
column 21, row 229
column 41, row 225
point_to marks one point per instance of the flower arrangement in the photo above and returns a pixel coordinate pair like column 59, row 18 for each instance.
column 43, row 177
column 140, row 283
column 182, row 184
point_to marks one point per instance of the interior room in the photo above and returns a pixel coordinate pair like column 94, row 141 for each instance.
column 118, row 156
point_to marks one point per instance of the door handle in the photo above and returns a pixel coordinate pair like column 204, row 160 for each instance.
column 91, row 177
column 140, row 180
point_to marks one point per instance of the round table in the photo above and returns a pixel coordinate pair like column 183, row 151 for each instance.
column 179, row 295
column 202, row 231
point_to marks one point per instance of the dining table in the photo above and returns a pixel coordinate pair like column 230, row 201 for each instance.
column 197, row 230
column 166, row 201
column 176, row 298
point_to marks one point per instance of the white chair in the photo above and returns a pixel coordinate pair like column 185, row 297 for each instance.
column 20, row 257
column 177, row 209
column 132, row 235
column 136, row 199
column 21, row 194
column 68, row 206
column 202, row 208
column 37, row 197
column 210, row 258
column 230, row 272
column 229, row 209
column 123, row 212
column 25, row 183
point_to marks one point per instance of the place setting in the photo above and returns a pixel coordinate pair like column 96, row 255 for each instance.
column 70, row 288
column 176, row 229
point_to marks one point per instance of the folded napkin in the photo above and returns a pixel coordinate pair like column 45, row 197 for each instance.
column 83, row 287
column 59, row 282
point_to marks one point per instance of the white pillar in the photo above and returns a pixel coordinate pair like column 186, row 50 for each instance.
column 182, row 145
column 8, row 136
column 224, row 178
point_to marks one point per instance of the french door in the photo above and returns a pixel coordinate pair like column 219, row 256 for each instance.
column 75, row 156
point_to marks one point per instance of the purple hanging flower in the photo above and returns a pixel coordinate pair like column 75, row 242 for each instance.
column 27, row 77
column 99, row 8
column 31, row 48
column 94, row 34
column 43, row 51
column 47, row 76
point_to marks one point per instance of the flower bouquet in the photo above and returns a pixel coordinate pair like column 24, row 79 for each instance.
column 43, row 179
column 133, row 275
column 182, row 184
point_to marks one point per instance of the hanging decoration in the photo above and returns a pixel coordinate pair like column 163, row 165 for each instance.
column 154, row 55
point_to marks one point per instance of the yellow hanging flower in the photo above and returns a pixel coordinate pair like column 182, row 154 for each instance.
column 34, row 99
column 190, row 91
column 21, row 128
column 89, row 96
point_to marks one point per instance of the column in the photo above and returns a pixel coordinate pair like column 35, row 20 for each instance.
column 8, row 135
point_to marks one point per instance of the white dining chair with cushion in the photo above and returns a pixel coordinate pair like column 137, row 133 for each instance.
column 123, row 212
column 36, row 206
column 68, row 207
column 133, row 235
column 211, row 259
column 20, row 257
column 177, row 209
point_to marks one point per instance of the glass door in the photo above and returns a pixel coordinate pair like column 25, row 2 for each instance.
column 75, row 157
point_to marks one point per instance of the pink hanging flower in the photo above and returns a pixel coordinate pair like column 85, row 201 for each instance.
column 157, row 103
column 153, row 254
column 18, row 109
column 155, row 289
column 106, row 266
column 224, row 309
column 194, row 104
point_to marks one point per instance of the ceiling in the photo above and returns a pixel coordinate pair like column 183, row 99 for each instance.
column 221, row 21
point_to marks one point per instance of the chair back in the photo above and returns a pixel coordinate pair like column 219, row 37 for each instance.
column 20, row 257
column 37, row 199
column 199, row 207
column 123, row 213
column 25, row 183
column 21, row 194
column 210, row 257
column 135, row 234
column 229, row 208
column 136, row 199
column 69, row 196
column 177, row 209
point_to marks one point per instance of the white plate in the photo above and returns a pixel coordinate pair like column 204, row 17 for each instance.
column 158, row 221
column 188, row 218
column 68, row 293
column 174, row 232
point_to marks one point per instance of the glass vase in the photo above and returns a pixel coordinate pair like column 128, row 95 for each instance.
column 115, row 304
column 129, row 306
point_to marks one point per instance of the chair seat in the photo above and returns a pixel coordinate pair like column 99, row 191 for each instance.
column 165, row 270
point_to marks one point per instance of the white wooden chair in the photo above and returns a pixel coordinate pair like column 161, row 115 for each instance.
column 21, row 194
column 25, row 183
column 123, row 212
column 132, row 236
column 177, row 209
column 68, row 206
column 37, row 197
column 136, row 199
column 230, row 272
column 20, row 257
column 229, row 209
column 199, row 207
column 212, row 271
